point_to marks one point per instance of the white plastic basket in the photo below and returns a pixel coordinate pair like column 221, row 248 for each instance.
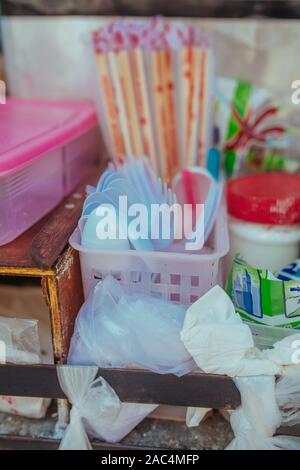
column 179, row 277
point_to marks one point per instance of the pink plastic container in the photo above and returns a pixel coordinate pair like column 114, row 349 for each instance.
column 46, row 148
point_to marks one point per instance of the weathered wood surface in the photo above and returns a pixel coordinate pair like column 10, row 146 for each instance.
column 52, row 238
column 15, row 256
column 132, row 386
column 22, row 255
column 65, row 297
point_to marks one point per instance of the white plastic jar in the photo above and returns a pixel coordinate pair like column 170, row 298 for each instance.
column 264, row 219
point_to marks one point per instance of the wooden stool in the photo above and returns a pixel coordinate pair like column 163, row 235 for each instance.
column 43, row 252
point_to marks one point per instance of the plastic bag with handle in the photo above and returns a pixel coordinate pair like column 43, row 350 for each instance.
column 94, row 404
column 268, row 404
column 116, row 329
column 258, row 417
column 220, row 343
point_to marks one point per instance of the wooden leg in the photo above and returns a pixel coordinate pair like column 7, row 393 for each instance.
column 49, row 285
column 64, row 295
column 69, row 294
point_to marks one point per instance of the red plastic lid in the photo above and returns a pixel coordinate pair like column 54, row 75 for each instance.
column 267, row 198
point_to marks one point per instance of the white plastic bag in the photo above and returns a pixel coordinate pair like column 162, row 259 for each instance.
column 255, row 422
column 286, row 351
column 94, row 403
column 219, row 341
column 267, row 404
column 258, row 417
column 116, row 329
column 288, row 395
column 21, row 341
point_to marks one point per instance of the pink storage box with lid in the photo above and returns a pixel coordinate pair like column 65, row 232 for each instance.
column 46, row 148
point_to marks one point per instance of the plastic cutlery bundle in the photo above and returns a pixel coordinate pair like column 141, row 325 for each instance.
column 137, row 184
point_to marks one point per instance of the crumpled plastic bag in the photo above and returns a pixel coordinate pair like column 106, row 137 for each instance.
column 220, row 343
column 284, row 352
column 266, row 405
column 255, row 422
column 19, row 344
column 288, row 395
column 116, row 329
column 258, row 417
